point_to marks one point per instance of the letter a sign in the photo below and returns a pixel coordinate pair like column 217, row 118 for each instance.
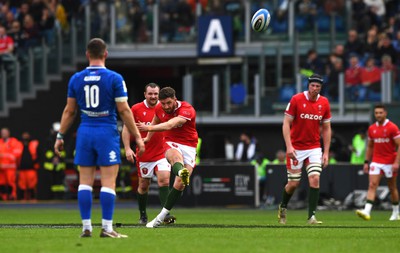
column 215, row 36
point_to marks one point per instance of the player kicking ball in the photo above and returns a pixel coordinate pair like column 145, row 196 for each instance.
column 177, row 119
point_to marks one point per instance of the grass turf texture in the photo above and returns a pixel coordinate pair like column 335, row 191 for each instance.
column 42, row 229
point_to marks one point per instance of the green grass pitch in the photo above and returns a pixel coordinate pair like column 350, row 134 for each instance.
column 56, row 228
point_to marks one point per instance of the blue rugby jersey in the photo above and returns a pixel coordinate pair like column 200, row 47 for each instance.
column 96, row 90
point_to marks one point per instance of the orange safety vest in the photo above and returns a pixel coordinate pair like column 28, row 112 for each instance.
column 10, row 153
column 33, row 150
column 32, row 147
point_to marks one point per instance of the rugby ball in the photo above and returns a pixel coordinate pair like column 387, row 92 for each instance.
column 260, row 20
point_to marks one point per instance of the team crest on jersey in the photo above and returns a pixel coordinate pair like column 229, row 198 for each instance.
column 319, row 108
column 295, row 162
column 304, row 105
column 145, row 171
column 372, row 168
column 144, row 113
column 174, row 145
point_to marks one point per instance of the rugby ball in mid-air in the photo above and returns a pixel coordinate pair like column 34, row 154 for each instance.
column 260, row 20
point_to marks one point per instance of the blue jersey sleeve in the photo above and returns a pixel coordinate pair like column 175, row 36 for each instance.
column 120, row 90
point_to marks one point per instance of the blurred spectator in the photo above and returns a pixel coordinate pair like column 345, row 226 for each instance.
column 280, row 157
column 30, row 34
column 22, row 12
column 60, row 14
column 370, row 80
column 313, row 64
column 139, row 31
column 385, row 47
column 358, row 147
column 396, row 42
column 27, row 169
column 376, row 11
column 123, row 23
column 100, row 20
column 15, row 32
column 185, row 14
column 352, row 79
column 246, row 149
column 261, row 163
column 360, row 18
column 4, row 9
column 282, row 10
column 167, row 20
column 306, row 11
column 6, row 43
column 390, row 27
column 9, row 20
column 339, row 51
column 73, row 8
column 333, row 79
column 10, row 154
column 371, row 44
column 388, row 66
column 46, row 26
column 36, row 10
column 234, row 9
column 353, row 45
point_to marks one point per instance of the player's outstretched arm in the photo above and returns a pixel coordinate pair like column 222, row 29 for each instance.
column 170, row 124
column 67, row 118
column 126, row 115
column 144, row 128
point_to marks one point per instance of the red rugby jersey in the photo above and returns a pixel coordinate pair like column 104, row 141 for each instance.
column 185, row 134
column 383, row 138
column 307, row 115
column 154, row 148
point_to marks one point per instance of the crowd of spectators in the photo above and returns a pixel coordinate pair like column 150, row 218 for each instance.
column 28, row 23
column 371, row 48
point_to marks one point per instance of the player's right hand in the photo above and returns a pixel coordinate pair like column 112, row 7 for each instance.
column 58, row 146
column 291, row 153
column 366, row 168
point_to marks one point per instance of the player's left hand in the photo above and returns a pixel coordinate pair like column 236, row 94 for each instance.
column 141, row 126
